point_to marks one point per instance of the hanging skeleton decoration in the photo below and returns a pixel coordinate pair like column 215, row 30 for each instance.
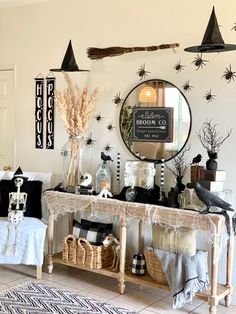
column 17, row 207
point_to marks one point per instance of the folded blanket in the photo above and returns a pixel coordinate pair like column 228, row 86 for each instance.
column 186, row 275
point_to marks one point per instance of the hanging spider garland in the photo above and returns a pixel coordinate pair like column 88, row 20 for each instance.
column 142, row 73
column 199, row 62
column 209, row 96
column 229, row 75
column 99, row 118
column 117, row 100
column 110, row 127
column 108, row 148
column 187, row 87
column 179, row 67
column 89, row 141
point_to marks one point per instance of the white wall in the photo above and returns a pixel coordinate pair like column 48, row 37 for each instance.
column 35, row 37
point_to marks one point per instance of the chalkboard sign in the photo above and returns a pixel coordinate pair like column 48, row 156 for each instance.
column 153, row 124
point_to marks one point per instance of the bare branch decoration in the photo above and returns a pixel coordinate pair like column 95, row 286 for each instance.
column 210, row 137
column 179, row 164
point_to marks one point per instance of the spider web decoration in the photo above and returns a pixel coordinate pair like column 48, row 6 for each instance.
column 229, row 75
column 142, row 73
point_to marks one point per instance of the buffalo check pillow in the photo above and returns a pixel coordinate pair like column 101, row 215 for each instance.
column 94, row 232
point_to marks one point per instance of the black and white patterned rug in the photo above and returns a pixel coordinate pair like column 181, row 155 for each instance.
column 38, row 298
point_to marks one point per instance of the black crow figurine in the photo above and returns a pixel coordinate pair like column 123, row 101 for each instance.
column 208, row 198
column 196, row 159
column 105, row 157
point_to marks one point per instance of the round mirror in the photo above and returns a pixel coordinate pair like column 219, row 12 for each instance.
column 155, row 121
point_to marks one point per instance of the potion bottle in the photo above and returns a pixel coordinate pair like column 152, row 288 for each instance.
column 103, row 177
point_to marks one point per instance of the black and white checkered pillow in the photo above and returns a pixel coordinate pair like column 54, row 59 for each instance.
column 94, row 232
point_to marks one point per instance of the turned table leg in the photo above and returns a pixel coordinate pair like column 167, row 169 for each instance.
column 212, row 300
column 122, row 255
column 229, row 269
column 50, row 243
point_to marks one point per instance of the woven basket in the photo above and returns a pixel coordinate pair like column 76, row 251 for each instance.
column 69, row 249
column 89, row 252
column 96, row 256
column 154, row 268
column 80, row 253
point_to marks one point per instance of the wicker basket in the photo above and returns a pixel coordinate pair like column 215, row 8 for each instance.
column 97, row 256
column 80, row 253
column 69, row 249
column 154, row 268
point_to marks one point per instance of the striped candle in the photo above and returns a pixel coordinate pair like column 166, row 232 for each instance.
column 162, row 173
column 118, row 172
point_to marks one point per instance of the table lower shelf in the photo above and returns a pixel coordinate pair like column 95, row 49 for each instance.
column 145, row 280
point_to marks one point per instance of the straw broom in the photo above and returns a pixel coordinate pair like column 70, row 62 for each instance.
column 100, row 53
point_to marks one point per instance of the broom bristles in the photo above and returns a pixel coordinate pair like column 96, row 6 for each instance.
column 100, row 53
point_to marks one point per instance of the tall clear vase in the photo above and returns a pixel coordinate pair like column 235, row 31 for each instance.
column 71, row 153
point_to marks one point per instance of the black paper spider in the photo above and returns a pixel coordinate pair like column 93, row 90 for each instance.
column 142, row 72
column 89, row 141
column 187, row 87
column 199, row 62
column 209, row 97
column 107, row 148
column 234, row 27
column 117, row 100
column 99, row 118
column 110, row 127
column 229, row 74
column 179, row 67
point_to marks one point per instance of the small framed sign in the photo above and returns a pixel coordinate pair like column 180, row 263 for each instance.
column 153, row 124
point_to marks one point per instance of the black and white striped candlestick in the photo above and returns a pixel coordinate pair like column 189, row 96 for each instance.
column 162, row 174
column 118, row 172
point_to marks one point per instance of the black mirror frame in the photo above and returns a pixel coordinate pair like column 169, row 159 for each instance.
column 156, row 161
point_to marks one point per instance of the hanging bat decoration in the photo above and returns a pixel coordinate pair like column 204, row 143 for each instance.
column 179, row 67
column 209, row 97
column 229, row 74
column 142, row 72
column 100, row 53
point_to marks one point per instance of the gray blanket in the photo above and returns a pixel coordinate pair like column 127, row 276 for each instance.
column 185, row 274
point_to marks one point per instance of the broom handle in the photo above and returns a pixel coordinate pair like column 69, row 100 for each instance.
column 99, row 53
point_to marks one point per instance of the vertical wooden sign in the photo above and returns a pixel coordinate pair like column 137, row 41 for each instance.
column 50, row 113
column 39, row 90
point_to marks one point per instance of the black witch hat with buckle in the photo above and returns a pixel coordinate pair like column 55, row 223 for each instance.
column 212, row 40
column 69, row 63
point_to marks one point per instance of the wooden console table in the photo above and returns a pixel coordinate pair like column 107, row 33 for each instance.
column 59, row 203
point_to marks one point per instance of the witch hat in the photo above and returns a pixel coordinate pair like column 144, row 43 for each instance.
column 212, row 40
column 19, row 174
column 69, row 64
